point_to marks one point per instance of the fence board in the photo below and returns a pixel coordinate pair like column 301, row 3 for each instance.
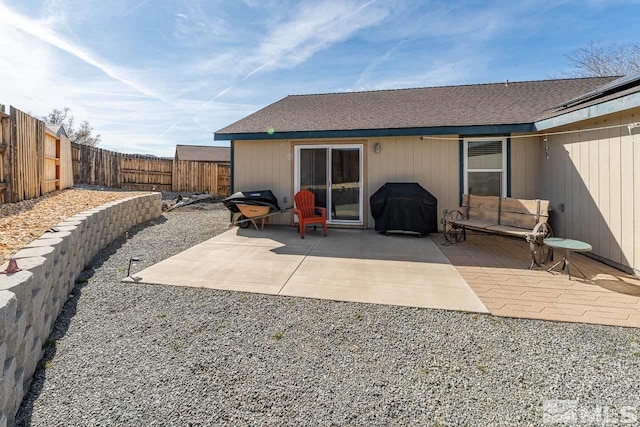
column 108, row 168
column 4, row 156
column 51, row 173
column 146, row 173
column 23, row 157
column 66, row 163
column 35, row 161
column 206, row 177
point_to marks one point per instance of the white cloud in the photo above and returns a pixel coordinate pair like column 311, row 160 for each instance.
column 40, row 29
column 196, row 27
column 373, row 65
column 434, row 75
column 44, row 70
column 211, row 63
column 136, row 7
column 314, row 27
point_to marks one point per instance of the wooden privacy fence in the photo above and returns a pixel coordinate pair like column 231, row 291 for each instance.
column 201, row 176
column 112, row 169
column 33, row 160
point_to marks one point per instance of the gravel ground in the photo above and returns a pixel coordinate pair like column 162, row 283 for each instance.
column 133, row 354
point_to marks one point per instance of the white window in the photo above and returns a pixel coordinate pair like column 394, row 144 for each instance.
column 485, row 166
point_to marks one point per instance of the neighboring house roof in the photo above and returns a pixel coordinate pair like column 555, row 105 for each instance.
column 445, row 107
column 203, row 153
column 60, row 130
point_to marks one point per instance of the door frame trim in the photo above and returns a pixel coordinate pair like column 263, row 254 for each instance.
column 296, row 178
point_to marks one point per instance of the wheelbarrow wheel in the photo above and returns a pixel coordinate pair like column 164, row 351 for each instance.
column 245, row 224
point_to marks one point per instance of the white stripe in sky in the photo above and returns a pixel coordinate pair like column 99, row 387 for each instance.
column 266, row 64
column 39, row 30
column 291, row 49
column 197, row 109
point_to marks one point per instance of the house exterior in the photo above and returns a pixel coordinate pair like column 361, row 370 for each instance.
column 489, row 139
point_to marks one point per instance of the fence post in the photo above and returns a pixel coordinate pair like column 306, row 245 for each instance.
column 13, row 157
column 215, row 185
column 5, row 123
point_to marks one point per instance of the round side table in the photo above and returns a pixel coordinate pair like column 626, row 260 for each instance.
column 568, row 246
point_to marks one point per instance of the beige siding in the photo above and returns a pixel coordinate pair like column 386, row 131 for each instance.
column 526, row 155
column 596, row 175
column 433, row 163
column 261, row 165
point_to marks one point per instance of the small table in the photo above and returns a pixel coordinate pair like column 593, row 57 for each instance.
column 568, row 245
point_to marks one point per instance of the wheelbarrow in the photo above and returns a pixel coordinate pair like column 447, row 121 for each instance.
column 249, row 207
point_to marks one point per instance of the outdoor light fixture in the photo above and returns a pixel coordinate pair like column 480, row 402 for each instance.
column 377, row 148
column 131, row 261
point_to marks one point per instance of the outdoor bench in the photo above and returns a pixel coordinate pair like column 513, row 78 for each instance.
column 502, row 215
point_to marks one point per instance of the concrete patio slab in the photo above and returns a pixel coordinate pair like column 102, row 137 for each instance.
column 232, row 261
column 363, row 266
column 349, row 265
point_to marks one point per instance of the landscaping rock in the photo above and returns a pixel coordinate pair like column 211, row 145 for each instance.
column 23, row 222
column 135, row 354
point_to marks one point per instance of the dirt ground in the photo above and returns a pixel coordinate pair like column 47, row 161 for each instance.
column 22, row 222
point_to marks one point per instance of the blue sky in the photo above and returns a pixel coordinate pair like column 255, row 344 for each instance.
column 149, row 74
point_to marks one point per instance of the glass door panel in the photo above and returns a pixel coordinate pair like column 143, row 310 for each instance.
column 345, row 184
column 313, row 173
column 333, row 173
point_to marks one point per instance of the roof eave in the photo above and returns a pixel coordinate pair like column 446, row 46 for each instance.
column 602, row 109
column 360, row 133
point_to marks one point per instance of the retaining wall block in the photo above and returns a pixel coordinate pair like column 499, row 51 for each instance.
column 32, row 299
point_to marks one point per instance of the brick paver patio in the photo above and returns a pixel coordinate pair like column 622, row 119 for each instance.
column 496, row 268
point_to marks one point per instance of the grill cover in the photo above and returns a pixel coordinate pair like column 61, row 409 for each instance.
column 404, row 206
column 255, row 198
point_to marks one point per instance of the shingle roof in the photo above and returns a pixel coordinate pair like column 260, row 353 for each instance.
column 203, row 153
column 467, row 105
column 599, row 98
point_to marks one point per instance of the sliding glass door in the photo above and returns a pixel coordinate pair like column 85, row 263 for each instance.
column 334, row 174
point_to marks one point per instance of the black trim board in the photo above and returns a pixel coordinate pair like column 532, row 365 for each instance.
column 476, row 130
column 231, row 169
column 508, row 166
column 461, row 156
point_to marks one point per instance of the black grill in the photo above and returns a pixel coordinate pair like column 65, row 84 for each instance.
column 404, row 207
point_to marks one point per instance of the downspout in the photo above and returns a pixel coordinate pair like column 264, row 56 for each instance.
column 232, row 170
column 508, row 165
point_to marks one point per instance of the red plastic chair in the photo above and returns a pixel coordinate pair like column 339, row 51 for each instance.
column 306, row 211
